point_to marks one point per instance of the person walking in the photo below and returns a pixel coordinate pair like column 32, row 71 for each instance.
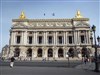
column 85, row 60
column 12, row 62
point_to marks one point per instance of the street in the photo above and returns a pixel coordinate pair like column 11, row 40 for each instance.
column 23, row 70
column 44, row 68
column 70, row 64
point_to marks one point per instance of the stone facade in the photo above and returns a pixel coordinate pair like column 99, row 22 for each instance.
column 50, row 39
column 5, row 52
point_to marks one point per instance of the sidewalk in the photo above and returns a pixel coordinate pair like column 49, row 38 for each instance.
column 87, row 66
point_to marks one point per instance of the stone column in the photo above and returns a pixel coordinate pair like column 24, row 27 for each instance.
column 34, row 52
column 75, row 37
column 11, row 38
column 36, row 38
column 32, row 39
column 11, row 53
column 44, row 36
column 25, row 37
column 64, row 40
column 22, row 38
column 22, row 53
column 56, row 40
column 44, row 52
column 89, row 42
column 78, row 41
column 85, row 37
column 55, row 49
column 64, row 52
column 14, row 38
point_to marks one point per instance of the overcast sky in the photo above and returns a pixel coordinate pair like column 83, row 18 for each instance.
column 11, row 9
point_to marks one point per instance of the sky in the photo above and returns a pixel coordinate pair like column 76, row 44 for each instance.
column 34, row 9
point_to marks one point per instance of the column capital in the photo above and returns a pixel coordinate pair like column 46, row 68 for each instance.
column 34, row 48
column 44, row 48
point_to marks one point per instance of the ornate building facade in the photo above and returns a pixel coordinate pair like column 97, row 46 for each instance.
column 36, row 39
column 5, row 52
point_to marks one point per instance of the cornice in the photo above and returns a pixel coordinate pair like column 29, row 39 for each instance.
column 80, row 19
column 41, row 20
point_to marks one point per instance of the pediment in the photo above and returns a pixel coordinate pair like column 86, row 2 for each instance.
column 19, row 25
column 82, row 24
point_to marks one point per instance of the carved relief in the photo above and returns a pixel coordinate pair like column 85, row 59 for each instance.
column 81, row 24
column 19, row 25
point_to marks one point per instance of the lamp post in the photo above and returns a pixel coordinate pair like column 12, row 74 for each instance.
column 95, row 46
column 98, row 39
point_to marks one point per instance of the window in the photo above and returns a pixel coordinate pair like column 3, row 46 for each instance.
column 50, row 52
column 17, row 52
column 82, row 39
column 60, row 53
column 29, row 52
column 30, row 39
column 70, row 39
column 60, row 38
column 40, row 39
column 39, row 52
column 50, row 39
column 18, row 39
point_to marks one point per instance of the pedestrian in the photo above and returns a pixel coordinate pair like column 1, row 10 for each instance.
column 85, row 60
column 12, row 62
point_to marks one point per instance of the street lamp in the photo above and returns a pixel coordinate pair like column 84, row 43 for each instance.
column 95, row 46
column 98, row 39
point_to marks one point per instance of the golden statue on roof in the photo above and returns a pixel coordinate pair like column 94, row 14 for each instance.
column 78, row 14
column 22, row 16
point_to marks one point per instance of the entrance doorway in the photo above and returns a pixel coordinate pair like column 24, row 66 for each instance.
column 60, row 53
column 50, row 52
column 39, row 53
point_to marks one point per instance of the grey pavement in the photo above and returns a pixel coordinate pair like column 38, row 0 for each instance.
column 87, row 66
column 17, row 70
column 44, row 63
column 47, row 68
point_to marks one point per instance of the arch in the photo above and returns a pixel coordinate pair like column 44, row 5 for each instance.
column 50, row 52
column 29, row 52
column 60, row 52
column 16, row 52
column 71, row 52
column 85, row 52
column 39, row 52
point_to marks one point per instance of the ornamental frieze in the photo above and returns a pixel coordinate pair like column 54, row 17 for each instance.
column 41, row 24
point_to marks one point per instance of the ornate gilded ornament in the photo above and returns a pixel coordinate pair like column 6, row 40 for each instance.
column 78, row 14
column 22, row 16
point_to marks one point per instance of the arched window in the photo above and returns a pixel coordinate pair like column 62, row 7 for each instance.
column 16, row 52
column 50, row 52
column 60, row 53
column 85, row 52
column 71, row 52
column 39, row 53
column 29, row 52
